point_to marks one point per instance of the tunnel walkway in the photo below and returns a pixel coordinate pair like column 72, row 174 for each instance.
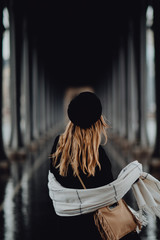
column 26, row 210
column 53, row 51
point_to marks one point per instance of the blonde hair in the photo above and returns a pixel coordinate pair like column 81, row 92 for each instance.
column 80, row 148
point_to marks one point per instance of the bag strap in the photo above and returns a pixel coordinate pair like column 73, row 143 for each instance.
column 80, row 179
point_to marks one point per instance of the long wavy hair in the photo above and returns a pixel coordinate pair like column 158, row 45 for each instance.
column 80, row 148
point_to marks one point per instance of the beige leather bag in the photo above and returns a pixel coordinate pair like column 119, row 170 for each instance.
column 115, row 221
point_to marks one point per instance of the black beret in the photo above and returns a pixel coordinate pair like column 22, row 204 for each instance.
column 85, row 109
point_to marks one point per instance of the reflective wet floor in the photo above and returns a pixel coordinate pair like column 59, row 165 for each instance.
column 26, row 211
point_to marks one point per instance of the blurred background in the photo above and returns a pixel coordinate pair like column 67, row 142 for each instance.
column 49, row 53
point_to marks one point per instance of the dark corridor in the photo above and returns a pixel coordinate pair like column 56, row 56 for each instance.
column 50, row 52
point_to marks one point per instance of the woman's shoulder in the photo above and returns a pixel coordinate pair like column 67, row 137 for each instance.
column 103, row 157
column 55, row 143
column 53, row 150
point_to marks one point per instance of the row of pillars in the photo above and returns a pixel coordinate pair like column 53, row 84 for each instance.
column 123, row 94
column 125, row 86
column 33, row 94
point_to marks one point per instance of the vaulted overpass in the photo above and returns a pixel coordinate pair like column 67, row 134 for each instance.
column 55, row 47
column 52, row 51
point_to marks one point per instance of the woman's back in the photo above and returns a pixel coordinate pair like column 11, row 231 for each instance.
column 82, row 226
column 102, row 177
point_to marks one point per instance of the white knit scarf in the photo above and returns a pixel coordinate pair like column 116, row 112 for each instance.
column 71, row 202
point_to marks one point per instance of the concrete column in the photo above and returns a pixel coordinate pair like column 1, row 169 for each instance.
column 55, row 107
column 26, row 88
column 114, row 98
column 110, row 101
column 41, row 104
column 156, row 6
column 117, row 97
column 103, row 94
column 15, row 63
column 122, row 90
column 132, row 91
column 52, row 103
column 108, row 89
column 35, row 87
column 3, row 156
column 48, row 103
column 143, row 86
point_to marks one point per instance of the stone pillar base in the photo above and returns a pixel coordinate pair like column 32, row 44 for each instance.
column 4, row 166
column 155, row 163
column 18, row 155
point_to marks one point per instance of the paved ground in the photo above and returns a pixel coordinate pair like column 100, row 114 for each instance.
column 26, row 211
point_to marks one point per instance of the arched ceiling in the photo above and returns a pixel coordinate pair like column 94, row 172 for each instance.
column 77, row 41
